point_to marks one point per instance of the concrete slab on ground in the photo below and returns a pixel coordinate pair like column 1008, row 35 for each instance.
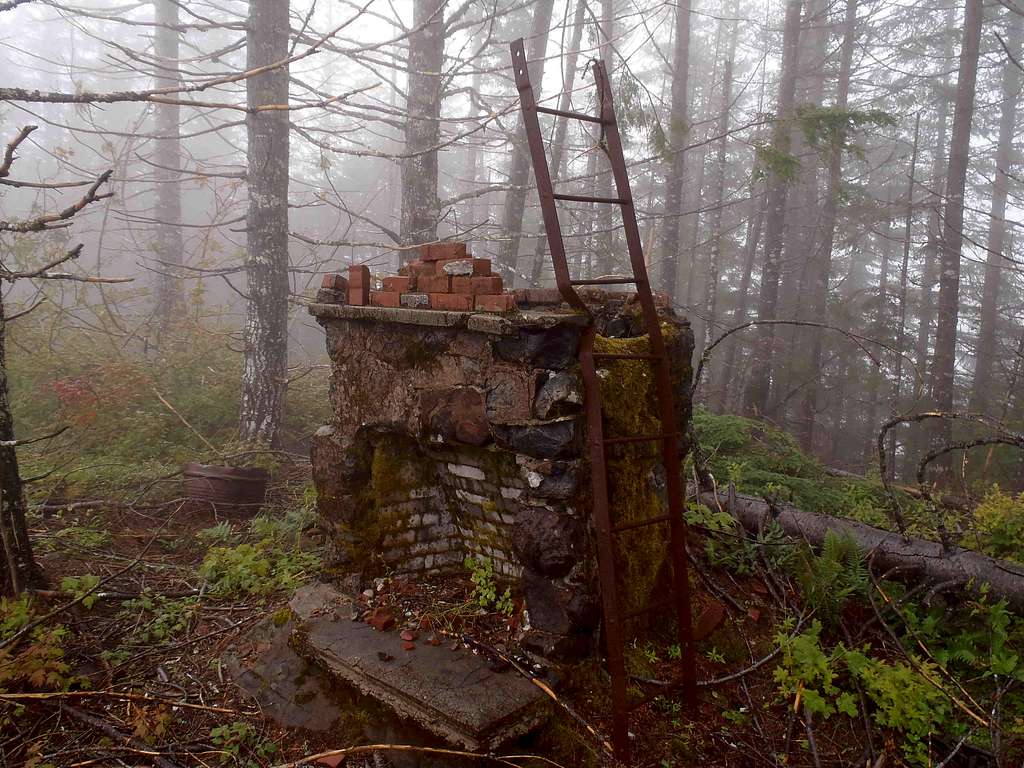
column 449, row 693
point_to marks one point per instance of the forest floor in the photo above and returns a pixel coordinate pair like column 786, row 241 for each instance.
column 799, row 666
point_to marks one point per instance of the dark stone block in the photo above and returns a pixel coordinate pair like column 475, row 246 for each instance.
column 541, row 439
column 561, row 392
column 545, row 541
column 546, row 479
column 541, row 347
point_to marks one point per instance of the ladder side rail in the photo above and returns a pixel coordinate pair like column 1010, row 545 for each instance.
column 671, row 458
column 612, row 624
column 542, row 175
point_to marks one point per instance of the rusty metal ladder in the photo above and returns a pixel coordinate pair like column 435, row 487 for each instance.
column 614, row 618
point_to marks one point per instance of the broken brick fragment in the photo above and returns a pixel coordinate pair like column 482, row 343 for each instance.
column 502, row 302
column 334, row 282
column 452, row 302
column 408, row 646
column 418, row 269
column 385, row 298
column 381, row 619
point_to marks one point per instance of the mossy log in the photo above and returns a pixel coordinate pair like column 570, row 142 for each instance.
column 908, row 557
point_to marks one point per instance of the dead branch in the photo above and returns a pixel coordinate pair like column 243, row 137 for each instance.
column 55, row 220
column 912, row 556
column 12, row 146
column 138, row 746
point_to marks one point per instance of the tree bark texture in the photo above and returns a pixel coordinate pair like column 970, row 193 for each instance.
column 916, row 558
column 20, row 570
column 678, row 133
column 981, row 393
column 519, row 166
column 948, row 304
column 265, row 366
column 420, row 205
column 540, row 257
column 756, row 396
column 167, row 173
column 819, row 267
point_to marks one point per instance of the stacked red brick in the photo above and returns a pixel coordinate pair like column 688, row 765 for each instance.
column 444, row 277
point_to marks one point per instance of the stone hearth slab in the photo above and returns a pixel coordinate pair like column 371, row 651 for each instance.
column 449, row 693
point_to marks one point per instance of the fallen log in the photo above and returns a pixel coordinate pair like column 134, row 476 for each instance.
column 888, row 550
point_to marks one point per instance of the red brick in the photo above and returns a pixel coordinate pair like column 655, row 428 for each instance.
column 474, row 286
column 397, row 283
column 385, row 298
column 359, row 295
column 502, row 302
column 488, row 285
column 442, row 251
column 434, row 284
column 334, row 282
column 358, row 276
column 452, row 302
column 420, row 268
column 538, row 296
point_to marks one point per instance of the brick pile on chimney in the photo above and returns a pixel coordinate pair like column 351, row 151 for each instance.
column 445, row 277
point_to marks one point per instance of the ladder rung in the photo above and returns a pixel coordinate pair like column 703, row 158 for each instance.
column 640, row 439
column 642, row 523
column 572, row 115
column 590, row 199
column 649, row 608
column 604, row 281
column 626, row 356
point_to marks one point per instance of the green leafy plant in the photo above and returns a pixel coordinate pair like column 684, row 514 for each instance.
column 239, row 743
column 830, row 578
column 485, row 586
column 81, row 587
column 808, row 672
column 256, row 569
column 222, row 533
column 165, row 618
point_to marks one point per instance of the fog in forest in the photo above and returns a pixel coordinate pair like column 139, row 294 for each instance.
column 828, row 191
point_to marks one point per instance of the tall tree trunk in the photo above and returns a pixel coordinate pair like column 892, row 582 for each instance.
column 718, row 197
column 948, row 305
column 519, row 166
column 602, row 252
column 802, row 226
column 755, row 399
column 420, row 205
column 981, row 395
column 901, row 331
column 265, row 368
column 678, row 133
column 820, row 267
column 169, row 248
column 20, row 570
column 561, row 127
column 918, row 439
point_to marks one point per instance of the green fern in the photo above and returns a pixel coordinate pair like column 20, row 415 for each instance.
column 832, row 577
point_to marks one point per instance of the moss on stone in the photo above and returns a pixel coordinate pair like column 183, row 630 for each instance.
column 629, row 395
column 396, row 468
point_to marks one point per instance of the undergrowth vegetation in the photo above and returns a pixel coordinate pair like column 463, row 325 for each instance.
column 131, row 413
